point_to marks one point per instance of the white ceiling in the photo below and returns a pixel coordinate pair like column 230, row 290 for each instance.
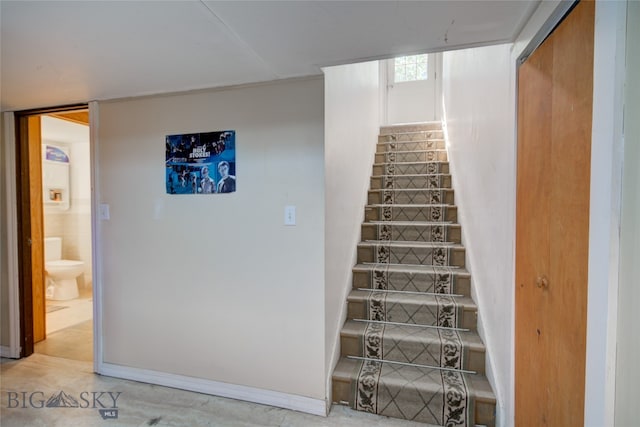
column 63, row 52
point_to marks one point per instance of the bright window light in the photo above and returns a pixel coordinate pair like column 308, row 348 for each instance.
column 410, row 68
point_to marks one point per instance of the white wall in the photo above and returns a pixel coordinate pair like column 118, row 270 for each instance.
column 216, row 287
column 479, row 113
column 351, row 129
column 628, row 339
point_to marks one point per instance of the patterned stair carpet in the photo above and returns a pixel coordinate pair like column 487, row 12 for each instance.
column 409, row 347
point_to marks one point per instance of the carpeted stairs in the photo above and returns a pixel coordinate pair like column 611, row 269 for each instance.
column 409, row 347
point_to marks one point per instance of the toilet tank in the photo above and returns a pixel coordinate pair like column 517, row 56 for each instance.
column 52, row 248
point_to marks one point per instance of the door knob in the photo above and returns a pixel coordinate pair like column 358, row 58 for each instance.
column 542, row 282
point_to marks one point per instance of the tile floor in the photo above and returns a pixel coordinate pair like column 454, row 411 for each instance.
column 139, row 404
column 73, row 312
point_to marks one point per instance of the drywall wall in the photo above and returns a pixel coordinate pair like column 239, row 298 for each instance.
column 479, row 108
column 216, row 287
column 628, row 339
column 351, row 129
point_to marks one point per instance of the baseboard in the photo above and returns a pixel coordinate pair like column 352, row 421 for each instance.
column 216, row 388
column 8, row 352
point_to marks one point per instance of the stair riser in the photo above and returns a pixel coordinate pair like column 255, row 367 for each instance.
column 428, row 144
column 412, row 282
column 406, row 197
column 443, row 315
column 412, row 233
column 484, row 411
column 417, row 182
column 412, row 157
column 411, row 213
column 384, row 391
column 429, row 354
column 439, row 256
column 410, row 168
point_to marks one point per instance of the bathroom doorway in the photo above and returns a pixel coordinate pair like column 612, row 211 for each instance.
column 56, row 292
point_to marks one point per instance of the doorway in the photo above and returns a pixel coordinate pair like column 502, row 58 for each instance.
column 55, row 233
column 413, row 88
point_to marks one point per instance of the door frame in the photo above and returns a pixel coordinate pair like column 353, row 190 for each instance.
column 20, row 296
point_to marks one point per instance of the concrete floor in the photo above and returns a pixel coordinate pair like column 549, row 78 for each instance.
column 28, row 383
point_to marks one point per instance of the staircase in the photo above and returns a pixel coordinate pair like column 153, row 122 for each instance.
column 409, row 347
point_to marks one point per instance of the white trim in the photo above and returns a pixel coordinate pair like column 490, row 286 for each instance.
column 9, row 137
column 8, row 352
column 605, row 211
column 216, row 388
column 96, row 249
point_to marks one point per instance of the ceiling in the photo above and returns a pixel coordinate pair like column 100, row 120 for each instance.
column 63, row 52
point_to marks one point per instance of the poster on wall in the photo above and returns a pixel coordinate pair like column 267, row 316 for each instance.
column 201, row 163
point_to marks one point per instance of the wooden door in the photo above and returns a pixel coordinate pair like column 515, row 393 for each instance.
column 31, row 240
column 552, row 224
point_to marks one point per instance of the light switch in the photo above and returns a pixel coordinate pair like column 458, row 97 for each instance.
column 289, row 215
column 104, row 211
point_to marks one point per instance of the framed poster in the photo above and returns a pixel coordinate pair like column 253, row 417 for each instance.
column 201, row 163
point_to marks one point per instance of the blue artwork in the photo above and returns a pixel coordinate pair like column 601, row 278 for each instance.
column 201, row 163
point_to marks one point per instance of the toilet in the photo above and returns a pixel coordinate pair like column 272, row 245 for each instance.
column 62, row 273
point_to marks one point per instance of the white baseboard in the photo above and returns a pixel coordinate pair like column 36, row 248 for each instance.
column 9, row 353
column 216, row 388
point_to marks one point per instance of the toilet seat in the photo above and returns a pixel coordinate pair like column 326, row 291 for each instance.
column 65, row 263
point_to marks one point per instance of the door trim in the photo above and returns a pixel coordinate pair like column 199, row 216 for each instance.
column 9, row 137
column 21, row 312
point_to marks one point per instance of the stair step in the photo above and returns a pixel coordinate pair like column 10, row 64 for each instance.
column 410, row 127
column 419, row 253
column 411, row 136
column 433, row 396
column 411, row 156
column 410, row 344
column 416, row 145
column 411, row 231
column 412, row 278
column 420, row 182
column 406, row 196
column 428, row 310
column 410, row 168
column 411, row 212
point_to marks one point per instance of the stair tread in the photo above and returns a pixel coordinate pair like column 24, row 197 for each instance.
column 358, row 295
column 410, row 205
column 346, row 369
column 412, row 268
column 411, row 189
column 408, row 243
column 410, row 332
column 414, row 223
column 411, row 175
column 415, row 151
column 410, row 163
